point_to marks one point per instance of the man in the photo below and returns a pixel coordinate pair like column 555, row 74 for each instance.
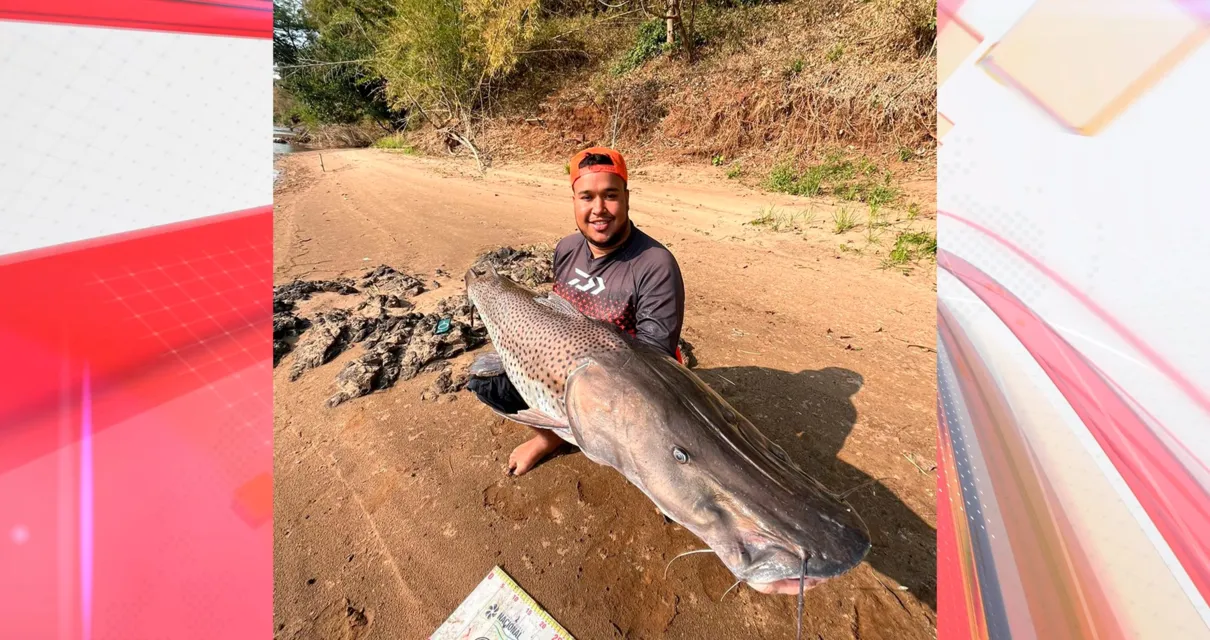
column 610, row 271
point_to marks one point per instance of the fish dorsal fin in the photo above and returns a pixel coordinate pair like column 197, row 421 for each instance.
column 555, row 302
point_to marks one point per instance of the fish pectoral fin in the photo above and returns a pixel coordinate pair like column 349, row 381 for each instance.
column 487, row 365
column 538, row 419
column 560, row 305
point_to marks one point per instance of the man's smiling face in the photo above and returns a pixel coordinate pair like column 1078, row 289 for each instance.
column 602, row 207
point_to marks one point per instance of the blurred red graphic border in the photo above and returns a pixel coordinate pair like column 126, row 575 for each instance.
column 136, row 419
column 163, row 311
column 243, row 18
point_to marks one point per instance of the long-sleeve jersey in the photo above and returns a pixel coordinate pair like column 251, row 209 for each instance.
column 637, row 287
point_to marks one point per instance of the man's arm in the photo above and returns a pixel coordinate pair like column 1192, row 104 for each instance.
column 660, row 308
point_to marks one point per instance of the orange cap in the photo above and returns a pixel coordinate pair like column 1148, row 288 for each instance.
column 618, row 167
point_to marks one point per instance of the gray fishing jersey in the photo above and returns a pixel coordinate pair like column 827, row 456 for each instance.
column 638, row 287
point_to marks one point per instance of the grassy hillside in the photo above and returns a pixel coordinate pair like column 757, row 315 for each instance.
column 773, row 89
column 772, row 82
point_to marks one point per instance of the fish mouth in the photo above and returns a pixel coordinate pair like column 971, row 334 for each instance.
column 779, row 564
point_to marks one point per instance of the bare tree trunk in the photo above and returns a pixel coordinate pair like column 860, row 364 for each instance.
column 670, row 18
column 686, row 38
column 674, row 26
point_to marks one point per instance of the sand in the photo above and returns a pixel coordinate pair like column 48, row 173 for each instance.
column 389, row 509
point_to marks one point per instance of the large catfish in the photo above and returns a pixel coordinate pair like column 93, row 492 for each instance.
column 629, row 406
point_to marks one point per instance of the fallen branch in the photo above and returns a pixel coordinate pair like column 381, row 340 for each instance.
column 469, row 145
column 320, row 64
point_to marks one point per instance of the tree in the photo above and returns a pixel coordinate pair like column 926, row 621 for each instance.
column 439, row 56
column 323, row 50
column 677, row 32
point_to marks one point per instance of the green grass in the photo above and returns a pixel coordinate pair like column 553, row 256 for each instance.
column 717, row 160
column 784, row 179
column 913, row 211
column 796, row 67
column 843, row 220
column 906, row 154
column 648, row 43
column 835, row 53
column 880, row 194
column 776, row 220
column 734, row 172
column 567, row 168
column 911, row 246
column 874, row 225
column 396, row 143
column 846, row 179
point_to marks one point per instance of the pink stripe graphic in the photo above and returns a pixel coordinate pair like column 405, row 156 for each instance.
column 86, row 503
column 1172, row 373
column 1172, row 498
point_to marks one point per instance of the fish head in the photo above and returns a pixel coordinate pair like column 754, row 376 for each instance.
column 709, row 469
column 480, row 277
column 487, row 290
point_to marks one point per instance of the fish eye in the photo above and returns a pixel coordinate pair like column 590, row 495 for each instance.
column 680, row 455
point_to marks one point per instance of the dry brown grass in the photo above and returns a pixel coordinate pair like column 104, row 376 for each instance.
column 786, row 80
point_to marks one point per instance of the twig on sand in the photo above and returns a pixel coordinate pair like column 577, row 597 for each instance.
column 911, row 345
column 321, row 163
column 918, row 467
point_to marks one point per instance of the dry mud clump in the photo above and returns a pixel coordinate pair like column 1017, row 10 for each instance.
column 396, row 342
column 531, row 266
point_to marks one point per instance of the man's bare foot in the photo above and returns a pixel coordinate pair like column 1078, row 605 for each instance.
column 531, row 452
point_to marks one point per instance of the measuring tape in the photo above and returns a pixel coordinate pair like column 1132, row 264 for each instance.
column 499, row 609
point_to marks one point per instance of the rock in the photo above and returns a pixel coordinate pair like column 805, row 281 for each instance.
column 447, row 382
column 386, row 279
column 287, row 295
column 529, row 266
column 357, row 379
column 327, row 337
column 286, row 329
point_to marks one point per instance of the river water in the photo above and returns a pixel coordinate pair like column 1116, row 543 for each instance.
column 282, row 147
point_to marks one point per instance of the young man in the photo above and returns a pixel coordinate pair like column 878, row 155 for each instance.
column 611, row 271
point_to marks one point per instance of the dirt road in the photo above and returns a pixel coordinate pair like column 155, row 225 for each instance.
column 389, row 509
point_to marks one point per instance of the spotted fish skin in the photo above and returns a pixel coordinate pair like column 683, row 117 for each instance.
column 639, row 411
column 540, row 339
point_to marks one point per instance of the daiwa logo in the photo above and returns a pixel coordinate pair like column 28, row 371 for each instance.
column 589, row 283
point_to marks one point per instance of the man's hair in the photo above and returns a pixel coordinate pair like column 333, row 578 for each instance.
column 593, row 159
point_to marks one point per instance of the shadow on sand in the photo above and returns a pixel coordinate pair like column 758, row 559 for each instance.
column 819, row 405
